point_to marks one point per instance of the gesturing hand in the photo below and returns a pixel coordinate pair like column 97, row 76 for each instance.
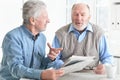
column 53, row 52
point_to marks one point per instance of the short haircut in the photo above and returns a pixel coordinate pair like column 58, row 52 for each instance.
column 32, row 8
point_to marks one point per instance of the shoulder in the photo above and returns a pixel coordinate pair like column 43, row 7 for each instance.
column 12, row 37
column 63, row 29
column 97, row 29
column 14, row 33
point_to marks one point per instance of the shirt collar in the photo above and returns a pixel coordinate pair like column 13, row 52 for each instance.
column 72, row 29
column 27, row 32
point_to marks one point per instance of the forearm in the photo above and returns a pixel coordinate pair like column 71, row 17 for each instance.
column 105, row 55
column 20, row 71
column 32, row 73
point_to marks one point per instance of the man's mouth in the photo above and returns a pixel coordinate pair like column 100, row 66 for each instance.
column 78, row 23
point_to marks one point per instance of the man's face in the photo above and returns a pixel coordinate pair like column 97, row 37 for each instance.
column 41, row 21
column 80, row 16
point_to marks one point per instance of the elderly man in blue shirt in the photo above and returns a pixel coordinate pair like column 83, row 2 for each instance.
column 82, row 38
column 24, row 47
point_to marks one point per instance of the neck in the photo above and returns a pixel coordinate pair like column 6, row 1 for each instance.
column 32, row 29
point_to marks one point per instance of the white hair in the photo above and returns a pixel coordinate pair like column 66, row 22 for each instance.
column 32, row 8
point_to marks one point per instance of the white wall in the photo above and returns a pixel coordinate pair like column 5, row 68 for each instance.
column 10, row 17
column 57, row 15
column 114, row 30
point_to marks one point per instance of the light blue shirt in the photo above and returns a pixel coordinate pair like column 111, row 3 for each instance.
column 104, row 55
column 23, row 55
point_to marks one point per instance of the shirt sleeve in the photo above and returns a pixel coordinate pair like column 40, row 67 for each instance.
column 105, row 56
column 15, row 60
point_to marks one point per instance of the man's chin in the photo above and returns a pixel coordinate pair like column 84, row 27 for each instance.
column 80, row 27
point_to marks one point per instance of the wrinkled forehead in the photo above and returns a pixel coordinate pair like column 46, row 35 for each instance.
column 80, row 7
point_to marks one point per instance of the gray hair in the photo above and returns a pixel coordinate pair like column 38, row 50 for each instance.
column 80, row 4
column 32, row 8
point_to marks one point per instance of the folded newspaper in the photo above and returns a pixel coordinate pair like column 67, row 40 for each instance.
column 77, row 63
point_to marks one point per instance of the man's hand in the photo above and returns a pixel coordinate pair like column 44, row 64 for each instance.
column 53, row 52
column 51, row 74
column 100, row 69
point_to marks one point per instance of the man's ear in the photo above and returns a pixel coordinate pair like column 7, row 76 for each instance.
column 32, row 21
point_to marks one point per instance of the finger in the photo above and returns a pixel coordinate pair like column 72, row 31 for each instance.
column 56, row 51
column 59, row 72
column 49, row 45
column 54, row 48
column 51, row 57
column 100, row 66
column 98, row 71
column 53, row 53
column 59, row 49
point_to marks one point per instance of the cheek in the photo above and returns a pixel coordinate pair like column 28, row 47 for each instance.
column 74, row 19
column 86, row 19
column 40, row 23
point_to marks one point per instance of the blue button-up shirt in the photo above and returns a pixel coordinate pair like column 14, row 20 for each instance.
column 104, row 55
column 23, row 55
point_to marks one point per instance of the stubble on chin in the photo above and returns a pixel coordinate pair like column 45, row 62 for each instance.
column 80, row 27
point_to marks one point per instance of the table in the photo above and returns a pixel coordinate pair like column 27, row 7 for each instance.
column 83, row 75
column 86, row 75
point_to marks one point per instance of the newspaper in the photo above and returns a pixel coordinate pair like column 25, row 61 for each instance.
column 76, row 63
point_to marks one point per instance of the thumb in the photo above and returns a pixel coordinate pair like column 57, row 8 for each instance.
column 48, row 44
